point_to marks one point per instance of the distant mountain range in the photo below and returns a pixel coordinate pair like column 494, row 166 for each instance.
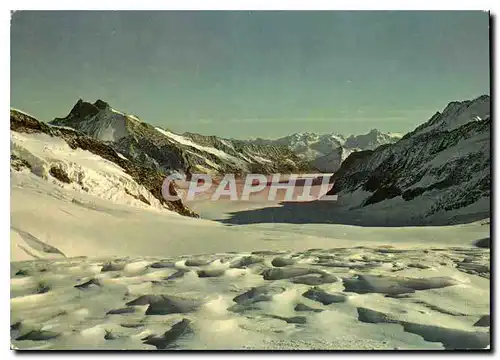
column 325, row 152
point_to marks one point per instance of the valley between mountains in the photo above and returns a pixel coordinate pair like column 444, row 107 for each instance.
column 101, row 260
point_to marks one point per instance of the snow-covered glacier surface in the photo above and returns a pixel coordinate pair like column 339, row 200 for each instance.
column 93, row 273
column 338, row 298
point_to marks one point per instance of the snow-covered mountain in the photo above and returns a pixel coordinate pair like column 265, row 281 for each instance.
column 371, row 140
column 74, row 161
column 330, row 162
column 441, row 170
column 326, row 152
column 167, row 151
column 307, row 145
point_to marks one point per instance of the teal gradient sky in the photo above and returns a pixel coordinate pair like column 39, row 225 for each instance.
column 249, row 74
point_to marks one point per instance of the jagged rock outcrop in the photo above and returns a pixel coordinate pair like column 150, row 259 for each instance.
column 18, row 163
column 442, row 165
column 152, row 180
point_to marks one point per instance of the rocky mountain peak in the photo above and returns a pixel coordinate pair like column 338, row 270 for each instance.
column 456, row 114
column 462, row 105
column 83, row 109
column 101, row 104
column 98, row 120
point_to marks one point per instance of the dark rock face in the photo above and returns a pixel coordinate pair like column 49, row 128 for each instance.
column 60, row 174
column 18, row 164
column 382, row 194
column 101, row 105
column 139, row 197
column 83, row 109
column 416, row 164
column 150, row 179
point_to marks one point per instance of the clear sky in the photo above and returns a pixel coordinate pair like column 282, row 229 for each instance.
column 249, row 74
